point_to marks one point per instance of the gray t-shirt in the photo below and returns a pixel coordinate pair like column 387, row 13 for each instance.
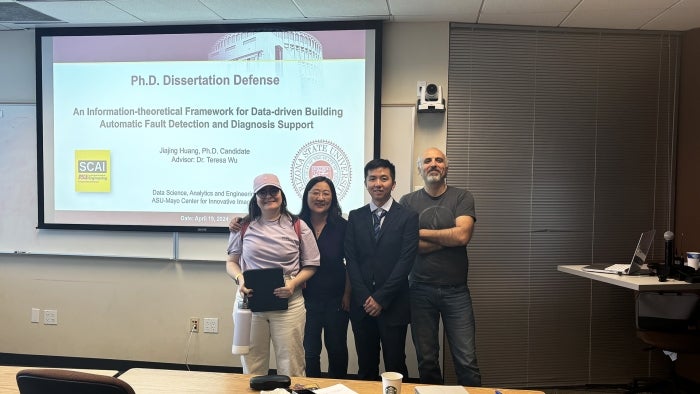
column 273, row 244
column 447, row 266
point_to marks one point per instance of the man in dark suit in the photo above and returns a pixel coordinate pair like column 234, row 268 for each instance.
column 380, row 247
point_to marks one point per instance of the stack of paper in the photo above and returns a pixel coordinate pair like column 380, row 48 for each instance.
column 335, row 389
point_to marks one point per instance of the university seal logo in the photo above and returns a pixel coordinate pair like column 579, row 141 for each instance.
column 321, row 158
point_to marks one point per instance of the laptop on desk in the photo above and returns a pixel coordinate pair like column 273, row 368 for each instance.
column 634, row 267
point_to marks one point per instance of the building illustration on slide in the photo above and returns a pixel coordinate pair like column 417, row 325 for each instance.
column 302, row 48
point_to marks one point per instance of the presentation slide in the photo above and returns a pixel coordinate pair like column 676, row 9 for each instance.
column 167, row 131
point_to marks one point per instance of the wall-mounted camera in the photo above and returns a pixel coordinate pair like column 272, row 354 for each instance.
column 430, row 98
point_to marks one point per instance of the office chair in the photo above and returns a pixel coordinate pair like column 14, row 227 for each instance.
column 668, row 322
column 62, row 381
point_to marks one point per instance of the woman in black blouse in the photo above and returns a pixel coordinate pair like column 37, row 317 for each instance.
column 327, row 294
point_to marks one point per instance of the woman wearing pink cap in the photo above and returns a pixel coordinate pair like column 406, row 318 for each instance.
column 270, row 240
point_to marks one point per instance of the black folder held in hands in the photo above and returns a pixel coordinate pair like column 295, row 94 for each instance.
column 263, row 282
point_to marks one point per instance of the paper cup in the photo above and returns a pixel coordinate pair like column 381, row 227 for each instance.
column 693, row 259
column 391, row 383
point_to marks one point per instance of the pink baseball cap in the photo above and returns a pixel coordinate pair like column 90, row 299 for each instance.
column 265, row 180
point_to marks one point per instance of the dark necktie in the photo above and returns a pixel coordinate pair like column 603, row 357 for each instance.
column 377, row 216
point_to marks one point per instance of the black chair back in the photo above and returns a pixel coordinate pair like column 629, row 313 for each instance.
column 62, row 381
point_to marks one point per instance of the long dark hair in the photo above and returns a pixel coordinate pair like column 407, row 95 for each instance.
column 333, row 212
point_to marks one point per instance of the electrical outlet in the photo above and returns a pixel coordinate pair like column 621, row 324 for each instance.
column 51, row 316
column 210, row 325
column 194, row 324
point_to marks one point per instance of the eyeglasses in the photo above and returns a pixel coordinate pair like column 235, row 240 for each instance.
column 318, row 193
column 270, row 191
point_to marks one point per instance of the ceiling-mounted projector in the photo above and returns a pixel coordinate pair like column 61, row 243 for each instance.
column 430, row 99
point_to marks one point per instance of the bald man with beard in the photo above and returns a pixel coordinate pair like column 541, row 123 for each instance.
column 438, row 280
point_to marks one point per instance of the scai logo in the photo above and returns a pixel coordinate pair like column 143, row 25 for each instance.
column 92, row 166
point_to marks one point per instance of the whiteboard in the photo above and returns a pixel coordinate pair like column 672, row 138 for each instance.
column 19, row 206
column 210, row 247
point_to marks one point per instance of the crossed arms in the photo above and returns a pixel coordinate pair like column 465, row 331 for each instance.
column 459, row 235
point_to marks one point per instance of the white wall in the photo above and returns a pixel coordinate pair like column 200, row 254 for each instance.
column 130, row 309
column 416, row 52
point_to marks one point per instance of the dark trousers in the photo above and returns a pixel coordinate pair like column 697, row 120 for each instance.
column 372, row 335
column 453, row 304
column 326, row 317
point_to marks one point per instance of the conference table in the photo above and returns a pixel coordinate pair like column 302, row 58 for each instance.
column 158, row 381
column 8, row 381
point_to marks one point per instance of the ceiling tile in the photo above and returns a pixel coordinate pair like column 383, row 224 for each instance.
column 686, row 4
column 342, row 8
column 611, row 14
column 610, row 18
column 625, row 5
column 528, row 6
column 527, row 19
column 685, row 15
column 246, row 9
column 446, row 10
column 166, row 10
column 430, row 18
column 15, row 12
column 618, row 14
column 83, row 12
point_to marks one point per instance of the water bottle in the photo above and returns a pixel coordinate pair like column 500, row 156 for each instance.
column 242, row 319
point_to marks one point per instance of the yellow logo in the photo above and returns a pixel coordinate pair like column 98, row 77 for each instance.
column 92, row 171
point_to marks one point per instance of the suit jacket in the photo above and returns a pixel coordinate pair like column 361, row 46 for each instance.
column 380, row 268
